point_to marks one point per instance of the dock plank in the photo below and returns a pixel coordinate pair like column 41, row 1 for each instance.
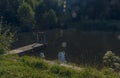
column 25, row 48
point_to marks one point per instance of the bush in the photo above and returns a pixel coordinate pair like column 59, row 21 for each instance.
column 112, row 61
column 6, row 38
column 108, row 73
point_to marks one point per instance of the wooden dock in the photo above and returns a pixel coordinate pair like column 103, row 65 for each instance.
column 25, row 48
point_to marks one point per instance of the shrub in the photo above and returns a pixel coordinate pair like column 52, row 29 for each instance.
column 108, row 73
column 6, row 38
column 112, row 61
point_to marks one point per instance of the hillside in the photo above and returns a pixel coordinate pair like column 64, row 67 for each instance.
column 13, row 66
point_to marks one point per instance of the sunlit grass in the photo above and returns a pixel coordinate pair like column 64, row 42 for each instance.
column 13, row 66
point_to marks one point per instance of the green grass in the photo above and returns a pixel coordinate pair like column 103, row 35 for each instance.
column 13, row 66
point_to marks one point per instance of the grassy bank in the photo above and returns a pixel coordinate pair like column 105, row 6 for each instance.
column 13, row 66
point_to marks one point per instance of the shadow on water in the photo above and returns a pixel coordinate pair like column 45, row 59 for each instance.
column 85, row 48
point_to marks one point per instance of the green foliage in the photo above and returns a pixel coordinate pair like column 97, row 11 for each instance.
column 108, row 73
column 49, row 19
column 12, row 66
column 60, row 3
column 26, row 15
column 62, row 71
column 112, row 61
column 35, row 63
column 6, row 38
column 32, row 3
column 90, row 73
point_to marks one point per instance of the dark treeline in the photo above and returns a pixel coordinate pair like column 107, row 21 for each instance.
column 49, row 14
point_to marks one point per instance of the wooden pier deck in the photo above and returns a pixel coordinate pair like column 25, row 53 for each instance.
column 25, row 48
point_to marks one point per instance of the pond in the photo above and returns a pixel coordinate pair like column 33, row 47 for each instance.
column 81, row 47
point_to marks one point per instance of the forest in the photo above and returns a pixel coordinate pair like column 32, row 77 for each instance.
column 28, row 15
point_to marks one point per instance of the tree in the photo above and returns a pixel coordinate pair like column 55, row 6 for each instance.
column 52, row 19
column 8, row 9
column 26, row 16
column 45, row 18
column 6, row 38
column 32, row 3
column 40, row 10
column 49, row 19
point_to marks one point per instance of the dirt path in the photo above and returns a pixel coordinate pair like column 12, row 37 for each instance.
column 64, row 65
